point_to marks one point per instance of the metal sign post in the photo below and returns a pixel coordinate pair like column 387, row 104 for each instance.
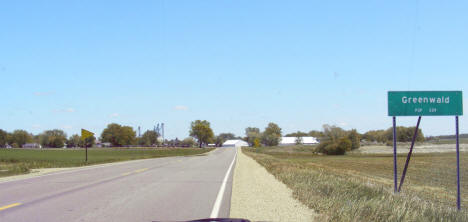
column 458, row 164
column 395, row 174
column 84, row 135
column 409, row 153
column 86, row 148
column 424, row 103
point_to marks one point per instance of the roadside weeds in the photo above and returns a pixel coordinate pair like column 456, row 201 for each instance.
column 339, row 196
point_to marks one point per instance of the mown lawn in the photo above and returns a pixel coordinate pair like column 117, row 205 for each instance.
column 19, row 161
column 359, row 187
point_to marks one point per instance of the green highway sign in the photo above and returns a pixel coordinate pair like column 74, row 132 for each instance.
column 425, row 103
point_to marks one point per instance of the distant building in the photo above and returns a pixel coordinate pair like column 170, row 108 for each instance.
column 235, row 143
column 305, row 140
column 102, row 144
column 32, row 145
column 7, row 146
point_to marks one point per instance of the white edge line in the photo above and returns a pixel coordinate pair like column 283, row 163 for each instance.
column 219, row 198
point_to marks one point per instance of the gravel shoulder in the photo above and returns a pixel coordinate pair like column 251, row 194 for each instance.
column 258, row 196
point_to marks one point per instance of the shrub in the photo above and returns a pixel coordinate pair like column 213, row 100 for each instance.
column 322, row 146
column 389, row 143
column 355, row 139
column 272, row 135
column 345, row 144
column 334, row 148
column 298, row 140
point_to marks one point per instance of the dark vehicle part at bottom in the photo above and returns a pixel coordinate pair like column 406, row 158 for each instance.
column 216, row 220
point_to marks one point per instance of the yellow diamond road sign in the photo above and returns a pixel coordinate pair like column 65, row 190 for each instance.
column 85, row 134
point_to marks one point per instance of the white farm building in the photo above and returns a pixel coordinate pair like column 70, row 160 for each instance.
column 32, row 145
column 306, row 140
column 235, row 143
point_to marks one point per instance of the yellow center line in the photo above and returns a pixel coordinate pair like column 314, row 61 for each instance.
column 140, row 170
column 136, row 171
column 9, row 206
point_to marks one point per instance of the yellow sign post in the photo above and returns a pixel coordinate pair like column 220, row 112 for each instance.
column 84, row 135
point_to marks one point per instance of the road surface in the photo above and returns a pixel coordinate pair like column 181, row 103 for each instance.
column 171, row 188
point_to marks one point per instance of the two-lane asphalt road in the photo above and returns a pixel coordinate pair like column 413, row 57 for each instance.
column 171, row 188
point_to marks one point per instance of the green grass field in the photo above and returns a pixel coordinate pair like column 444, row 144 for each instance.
column 359, row 187
column 20, row 161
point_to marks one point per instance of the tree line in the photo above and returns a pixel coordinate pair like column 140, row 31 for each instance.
column 333, row 139
column 115, row 134
column 337, row 141
column 49, row 138
column 202, row 132
column 404, row 134
column 271, row 136
column 446, row 137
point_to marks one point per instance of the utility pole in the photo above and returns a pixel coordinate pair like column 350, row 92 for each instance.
column 159, row 129
column 162, row 131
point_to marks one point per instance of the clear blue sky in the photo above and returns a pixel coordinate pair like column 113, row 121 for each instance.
column 301, row 64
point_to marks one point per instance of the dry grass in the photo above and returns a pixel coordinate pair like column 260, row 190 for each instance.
column 449, row 141
column 418, row 149
column 359, row 187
